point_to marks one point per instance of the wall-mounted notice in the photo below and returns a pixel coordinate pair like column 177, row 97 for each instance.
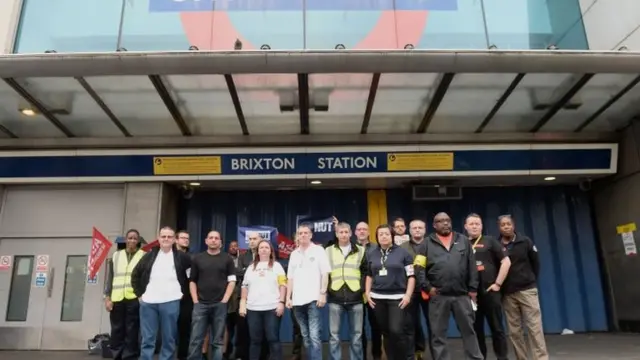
column 42, row 263
column 41, row 279
column 628, row 240
column 5, row 262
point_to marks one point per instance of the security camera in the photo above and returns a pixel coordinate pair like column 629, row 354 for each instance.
column 187, row 192
column 585, row 185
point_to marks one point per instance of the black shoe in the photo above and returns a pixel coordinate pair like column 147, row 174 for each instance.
column 205, row 356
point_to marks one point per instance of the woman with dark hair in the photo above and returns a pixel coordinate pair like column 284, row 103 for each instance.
column 389, row 285
column 520, row 292
column 262, row 301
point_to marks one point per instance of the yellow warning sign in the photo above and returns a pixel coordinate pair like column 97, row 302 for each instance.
column 420, row 161
column 626, row 228
column 187, row 165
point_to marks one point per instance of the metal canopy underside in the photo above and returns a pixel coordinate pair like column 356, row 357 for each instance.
column 474, row 96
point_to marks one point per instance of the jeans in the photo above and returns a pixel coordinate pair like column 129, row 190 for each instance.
column 264, row 324
column 308, row 317
column 163, row 317
column 203, row 316
column 355, row 315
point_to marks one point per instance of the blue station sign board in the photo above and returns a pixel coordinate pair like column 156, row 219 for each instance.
column 484, row 161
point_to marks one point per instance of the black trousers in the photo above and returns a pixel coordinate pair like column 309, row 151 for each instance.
column 243, row 341
column 125, row 329
column 417, row 306
column 376, row 338
column 296, row 351
column 490, row 309
column 440, row 309
column 184, row 327
column 397, row 333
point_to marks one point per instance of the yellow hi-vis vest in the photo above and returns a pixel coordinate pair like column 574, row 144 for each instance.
column 345, row 270
column 121, row 286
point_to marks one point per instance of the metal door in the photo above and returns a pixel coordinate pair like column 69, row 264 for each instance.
column 63, row 307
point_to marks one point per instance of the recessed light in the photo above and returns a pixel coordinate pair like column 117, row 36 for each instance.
column 549, row 178
column 316, row 182
column 194, row 183
column 28, row 112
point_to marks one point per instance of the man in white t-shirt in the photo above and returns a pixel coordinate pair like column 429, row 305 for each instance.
column 160, row 281
column 308, row 277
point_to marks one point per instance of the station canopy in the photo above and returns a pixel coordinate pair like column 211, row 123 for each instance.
column 203, row 98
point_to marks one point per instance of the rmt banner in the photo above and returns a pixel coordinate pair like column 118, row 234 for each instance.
column 268, row 233
column 321, row 226
column 99, row 250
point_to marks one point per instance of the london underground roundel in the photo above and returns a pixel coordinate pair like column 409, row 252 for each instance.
column 298, row 24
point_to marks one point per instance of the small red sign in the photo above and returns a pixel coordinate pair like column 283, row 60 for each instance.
column 150, row 245
column 5, row 262
column 285, row 246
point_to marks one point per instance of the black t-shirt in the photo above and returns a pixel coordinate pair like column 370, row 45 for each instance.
column 212, row 273
column 488, row 253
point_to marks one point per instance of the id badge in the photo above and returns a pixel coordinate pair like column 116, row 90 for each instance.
column 382, row 272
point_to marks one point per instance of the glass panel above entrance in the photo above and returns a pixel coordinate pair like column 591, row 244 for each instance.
column 164, row 25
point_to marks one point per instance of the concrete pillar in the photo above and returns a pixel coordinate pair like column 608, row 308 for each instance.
column 617, row 202
column 147, row 207
column 9, row 19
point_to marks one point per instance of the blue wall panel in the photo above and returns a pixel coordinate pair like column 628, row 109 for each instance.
column 559, row 222
column 225, row 211
column 557, row 218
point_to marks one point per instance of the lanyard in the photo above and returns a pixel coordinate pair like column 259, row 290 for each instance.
column 383, row 257
column 476, row 242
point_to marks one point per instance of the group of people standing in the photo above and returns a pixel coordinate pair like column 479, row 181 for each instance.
column 387, row 283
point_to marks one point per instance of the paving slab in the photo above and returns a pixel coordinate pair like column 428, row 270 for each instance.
column 601, row 346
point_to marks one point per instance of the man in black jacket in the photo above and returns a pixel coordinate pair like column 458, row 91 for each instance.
column 160, row 281
column 417, row 229
column 493, row 267
column 186, row 304
column 451, row 280
column 520, row 291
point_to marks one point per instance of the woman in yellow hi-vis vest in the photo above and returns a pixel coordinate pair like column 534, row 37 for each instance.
column 121, row 302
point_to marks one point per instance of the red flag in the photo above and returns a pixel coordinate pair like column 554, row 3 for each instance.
column 100, row 246
column 150, row 245
column 285, row 246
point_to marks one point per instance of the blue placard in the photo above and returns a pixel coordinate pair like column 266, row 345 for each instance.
column 41, row 279
column 268, row 233
column 93, row 280
column 300, row 5
column 321, row 227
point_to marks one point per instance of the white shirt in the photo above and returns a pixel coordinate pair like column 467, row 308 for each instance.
column 163, row 284
column 263, row 289
column 345, row 250
column 306, row 269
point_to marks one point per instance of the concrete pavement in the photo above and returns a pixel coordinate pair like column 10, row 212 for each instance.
column 601, row 346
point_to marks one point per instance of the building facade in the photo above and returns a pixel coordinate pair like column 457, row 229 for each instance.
column 470, row 88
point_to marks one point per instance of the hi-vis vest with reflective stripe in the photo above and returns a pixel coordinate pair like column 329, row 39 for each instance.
column 345, row 270
column 121, row 286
